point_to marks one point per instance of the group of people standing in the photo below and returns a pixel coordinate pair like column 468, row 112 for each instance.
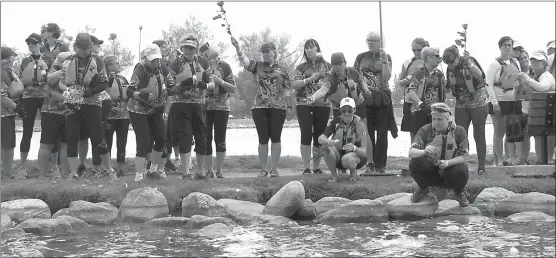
column 179, row 99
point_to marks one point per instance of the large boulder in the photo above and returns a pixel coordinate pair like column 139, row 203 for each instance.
column 144, row 204
column 403, row 209
column 488, row 199
column 237, row 205
column 286, row 201
column 200, row 221
column 101, row 213
column 306, row 212
column 329, row 203
column 215, row 230
column 360, row 211
column 169, row 222
column 526, row 202
column 528, row 216
column 451, row 207
column 24, row 209
column 202, row 204
column 59, row 225
column 251, row 218
column 6, row 221
column 388, row 198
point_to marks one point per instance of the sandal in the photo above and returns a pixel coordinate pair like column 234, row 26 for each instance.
column 274, row 173
column 317, row 171
column 306, row 171
column 263, row 173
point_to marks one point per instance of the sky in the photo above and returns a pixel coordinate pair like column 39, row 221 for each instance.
column 337, row 26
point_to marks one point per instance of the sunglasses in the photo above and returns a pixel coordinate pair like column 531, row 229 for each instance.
column 347, row 110
column 440, row 110
column 373, row 40
column 265, row 51
column 32, row 43
column 417, row 50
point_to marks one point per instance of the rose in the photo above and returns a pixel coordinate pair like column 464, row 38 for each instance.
column 220, row 3
column 113, row 36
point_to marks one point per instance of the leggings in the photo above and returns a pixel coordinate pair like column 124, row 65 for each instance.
column 170, row 136
column 312, row 122
column 31, row 106
column 217, row 119
column 106, row 107
column 144, row 125
column 477, row 115
column 191, row 123
column 92, row 116
column 269, row 123
column 378, row 118
column 426, row 174
column 121, row 128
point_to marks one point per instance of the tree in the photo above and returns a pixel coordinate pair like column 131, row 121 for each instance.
column 192, row 25
column 250, row 45
column 397, row 91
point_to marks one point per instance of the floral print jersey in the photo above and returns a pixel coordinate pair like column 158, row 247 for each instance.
column 118, row 86
column 464, row 98
column 272, row 82
column 7, row 79
column 183, row 70
column 304, row 71
column 430, row 86
column 30, row 73
column 145, row 80
column 219, row 98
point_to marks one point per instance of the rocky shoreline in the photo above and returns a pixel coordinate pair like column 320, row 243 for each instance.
column 217, row 218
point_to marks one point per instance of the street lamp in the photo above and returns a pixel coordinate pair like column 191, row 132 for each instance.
column 140, row 29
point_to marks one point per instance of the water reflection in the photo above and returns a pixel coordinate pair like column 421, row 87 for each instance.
column 473, row 236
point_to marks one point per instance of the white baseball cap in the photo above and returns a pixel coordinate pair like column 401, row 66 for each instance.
column 152, row 52
column 538, row 55
column 551, row 44
column 347, row 102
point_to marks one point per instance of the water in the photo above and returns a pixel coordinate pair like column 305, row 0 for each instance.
column 245, row 141
column 474, row 237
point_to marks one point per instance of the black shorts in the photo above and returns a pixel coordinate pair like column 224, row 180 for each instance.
column 8, row 132
column 407, row 119
column 53, row 128
column 360, row 111
column 362, row 161
column 515, row 128
column 506, row 107
column 84, row 131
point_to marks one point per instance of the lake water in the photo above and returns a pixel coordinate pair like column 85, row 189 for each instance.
column 244, row 142
column 474, row 237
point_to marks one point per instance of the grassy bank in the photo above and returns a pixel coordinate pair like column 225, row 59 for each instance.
column 241, row 184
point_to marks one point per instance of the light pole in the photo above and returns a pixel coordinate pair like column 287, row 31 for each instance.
column 140, row 29
column 113, row 37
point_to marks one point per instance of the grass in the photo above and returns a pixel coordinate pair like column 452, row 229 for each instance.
column 59, row 193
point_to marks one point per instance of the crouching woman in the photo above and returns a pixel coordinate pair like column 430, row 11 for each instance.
column 348, row 147
column 437, row 156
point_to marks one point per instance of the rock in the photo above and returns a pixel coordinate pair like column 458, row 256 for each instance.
column 488, row 199
column 144, row 204
column 169, row 222
column 24, row 209
column 526, row 202
column 360, row 211
column 237, row 205
column 93, row 213
column 388, row 198
column 12, row 232
column 250, row 219
column 286, row 201
column 215, row 230
column 202, row 204
column 200, row 221
column 306, row 212
column 329, row 203
column 6, row 221
column 59, row 225
column 530, row 216
column 451, row 207
column 30, row 253
column 403, row 209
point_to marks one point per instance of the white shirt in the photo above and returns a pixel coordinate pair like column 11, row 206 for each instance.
column 546, row 83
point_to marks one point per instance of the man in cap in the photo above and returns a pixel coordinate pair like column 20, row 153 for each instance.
column 437, row 156
column 32, row 71
column 191, row 82
column 11, row 88
column 466, row 78
column 83, row 80
column 347, row 148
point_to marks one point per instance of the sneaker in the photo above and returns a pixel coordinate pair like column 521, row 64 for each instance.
column 219, row 174
column 419, row 194
column 263, row 173
column 80, row 170
column 210, row 174
column 462, row 200
column 274, row 173
column 138, row 177
column 317, row 171
column 170, row 166
column 161, row 174
column 56, row 173
column 481, row 171
column 381, row 170
column 370, row 167
column 306, row 171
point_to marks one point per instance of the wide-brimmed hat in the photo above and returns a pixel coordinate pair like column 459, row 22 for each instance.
column 152, row 52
